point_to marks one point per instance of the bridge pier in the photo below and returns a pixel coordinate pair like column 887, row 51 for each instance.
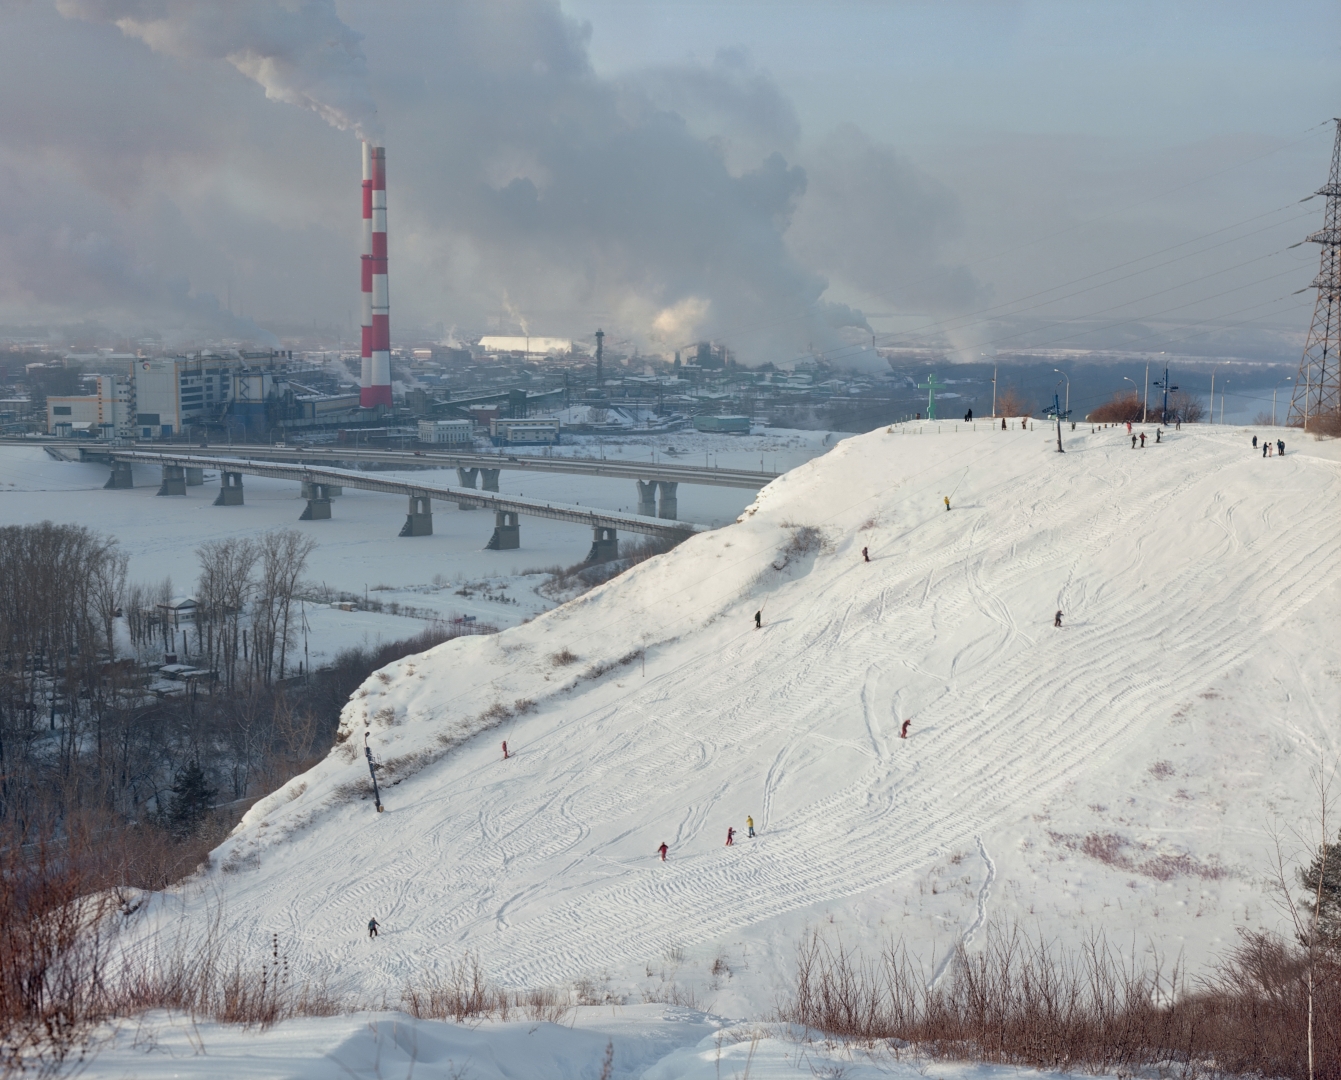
column 318, row 502
column 507, row 531
column 604, row 544
column 230, row 489
column 121, row 476
column 194, row 477
column 647, row 497
column 419, row 521
column 466, row 478
column 174, row 481
column 332, row 490
column 490, row 478
column 668, row 506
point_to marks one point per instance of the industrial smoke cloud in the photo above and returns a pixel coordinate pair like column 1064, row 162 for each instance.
column 666, row 205
column 299, row 51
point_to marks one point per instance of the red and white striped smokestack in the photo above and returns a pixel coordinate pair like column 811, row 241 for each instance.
column 377, row 389
column 365, row 272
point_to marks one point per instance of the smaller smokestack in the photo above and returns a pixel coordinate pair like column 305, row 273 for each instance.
column 600, row 348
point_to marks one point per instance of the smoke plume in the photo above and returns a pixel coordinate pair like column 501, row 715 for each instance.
column 300, row 52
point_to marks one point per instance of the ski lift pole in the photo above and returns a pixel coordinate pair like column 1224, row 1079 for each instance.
column 372, row 771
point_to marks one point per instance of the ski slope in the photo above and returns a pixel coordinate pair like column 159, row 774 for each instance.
column 1121, row 773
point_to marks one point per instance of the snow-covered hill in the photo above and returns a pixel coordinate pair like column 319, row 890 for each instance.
column 1121, row 772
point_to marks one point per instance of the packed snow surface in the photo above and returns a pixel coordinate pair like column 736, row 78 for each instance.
column 1122, row 772
column 649, row 1042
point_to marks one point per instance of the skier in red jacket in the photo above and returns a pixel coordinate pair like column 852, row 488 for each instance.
column 662, row 852
column 730, row 835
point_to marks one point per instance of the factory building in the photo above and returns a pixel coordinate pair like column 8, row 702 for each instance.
column 523, row 432
column 106, row 413
column 446, row 432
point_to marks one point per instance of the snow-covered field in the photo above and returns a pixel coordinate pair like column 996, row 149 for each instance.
column 1121, row 773
column 359, row 552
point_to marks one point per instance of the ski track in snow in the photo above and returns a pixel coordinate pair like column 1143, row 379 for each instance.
column 546, row 865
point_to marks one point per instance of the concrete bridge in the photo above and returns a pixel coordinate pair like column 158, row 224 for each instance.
column 657, row 483
column 320, row 484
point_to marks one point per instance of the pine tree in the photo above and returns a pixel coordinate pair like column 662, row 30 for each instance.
column 192, row 798
column 1326, row 865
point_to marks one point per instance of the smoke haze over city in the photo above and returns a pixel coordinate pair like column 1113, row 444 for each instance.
column 785, row 179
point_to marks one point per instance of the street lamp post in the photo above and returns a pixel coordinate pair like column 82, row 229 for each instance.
column 1273, row 399
column 1134, row 392
column 1213, row 371
column 1067, row 377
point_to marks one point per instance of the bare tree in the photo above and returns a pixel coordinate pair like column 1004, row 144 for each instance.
column 283, row 559
column 1308, row 915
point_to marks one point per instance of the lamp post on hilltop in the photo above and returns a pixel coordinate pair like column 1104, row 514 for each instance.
column 1067, row 377
column 1213, row 371
column 1134, row 392
column 1273, row 398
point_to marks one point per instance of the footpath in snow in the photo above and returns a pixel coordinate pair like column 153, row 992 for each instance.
column 1120, row 773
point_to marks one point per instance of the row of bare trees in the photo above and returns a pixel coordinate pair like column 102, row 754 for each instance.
column 251, row 585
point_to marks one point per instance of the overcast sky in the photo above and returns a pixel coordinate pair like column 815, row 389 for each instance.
column 781, row 176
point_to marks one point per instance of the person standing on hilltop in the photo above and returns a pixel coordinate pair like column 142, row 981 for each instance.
column 947, row 502
column 372, row 928
column 1280, row 446
column 1133, row 440
column 1254, row 442
column 759, row 618
column 1143, row 440
column 1003, row 423
column 749, row 824
column 866, row 555
column 1057, row 619
column 1128, row 427
column 903, row 731
column 730, row 835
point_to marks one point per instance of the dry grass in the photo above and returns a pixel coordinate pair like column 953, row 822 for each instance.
column 1027, row 1003
column 466, row 993
column 563, row 657
column 1121, row 853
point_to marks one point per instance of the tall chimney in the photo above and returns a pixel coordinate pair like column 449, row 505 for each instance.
column 365, row 271
column 377, row 390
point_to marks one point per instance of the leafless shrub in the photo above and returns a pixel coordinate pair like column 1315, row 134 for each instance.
column 522, row 706
column 467, row 993
column 1122, row 408
column 1162, row 770
column 563, row 657
column 495, row 714
column 606, row 666
column 1024, row 1002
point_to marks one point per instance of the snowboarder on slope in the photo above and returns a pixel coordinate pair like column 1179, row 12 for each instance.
column 1057, row 619
column 749, row 824
column 730, row 835
column 947, row 502
column 865, row 554
column 662, row 852
column 372, row 928
column 505, row 750
column 759, row 618
column 903, row 731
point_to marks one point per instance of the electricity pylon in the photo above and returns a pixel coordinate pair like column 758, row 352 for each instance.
column 1317, row 392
